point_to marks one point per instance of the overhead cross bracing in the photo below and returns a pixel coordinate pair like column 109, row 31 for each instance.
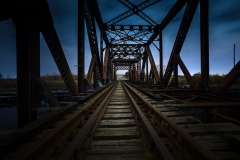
column 118, row 44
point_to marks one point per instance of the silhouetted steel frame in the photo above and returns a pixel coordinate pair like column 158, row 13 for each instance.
column 36, row 17
column 191, row 8
column 28, row 69
column 92, row 36
column 131, row 11
column 81, row 61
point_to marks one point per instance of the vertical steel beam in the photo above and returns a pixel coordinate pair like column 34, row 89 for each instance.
column 28, row 69
column 153, row 65
column 91, row 68
column 81, row 63
column 138, row 69
column 95, row 76
column 147, row 69
column 204, row 32
column 105, row 65
column 175, row 74
column 161, row 56
column 101, row 53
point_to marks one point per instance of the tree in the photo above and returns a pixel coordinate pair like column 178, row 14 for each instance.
column 196, row 77
column 1, row 76
column 127, row 74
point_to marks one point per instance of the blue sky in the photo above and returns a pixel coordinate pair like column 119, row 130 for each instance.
column 224, row 32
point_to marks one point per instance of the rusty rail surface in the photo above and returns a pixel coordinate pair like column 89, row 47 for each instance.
column 185, row 143
column 78, row 146
column 147, row 129
column 44, row 147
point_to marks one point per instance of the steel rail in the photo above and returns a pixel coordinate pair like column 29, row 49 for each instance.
column 185, row 143
column 147, row 129
column 45, row 146
column 79, row 144
column 235, row 121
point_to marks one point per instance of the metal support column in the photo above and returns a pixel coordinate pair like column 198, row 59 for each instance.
column 95, row 75
column 101, row 53
column 204, row 32
column 175, row 78
column 28, row 69
column 161, row 56
column 147, row 79
column 81, row 70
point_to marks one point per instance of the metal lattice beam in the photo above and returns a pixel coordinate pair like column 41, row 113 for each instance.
column 92, row 36
column 55, row 47
column 153, row 65
column 105, row 65
column 98, row 17
column 182, row 33
column 185, row 71
column 131, row 12
column 138, row 12
column 171, row 14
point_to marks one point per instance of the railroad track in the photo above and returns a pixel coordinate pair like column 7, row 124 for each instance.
column 221, row 139
column 123, row 123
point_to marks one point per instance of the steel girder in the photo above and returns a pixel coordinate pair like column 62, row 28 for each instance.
column 91, row 68
column 160, row 57
column 55, row 48
column 28, row 70
column 99, row 20
column 153, row 65
column 185, row 71
column 132, row 11
column 122, row 67
column 40, row 19
column 129, row 33
column 171, row 14
column 105, row 65
column 135, row 10
column 81, row 30
column 92, row 36
column 126, row 50
column 204, row 30
column 138, row 69
column 182, row 32
column 228, row 79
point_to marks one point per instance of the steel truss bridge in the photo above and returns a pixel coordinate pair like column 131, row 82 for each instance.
column 126, row 48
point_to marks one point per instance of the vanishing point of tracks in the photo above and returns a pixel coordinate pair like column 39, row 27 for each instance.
column 122, row 123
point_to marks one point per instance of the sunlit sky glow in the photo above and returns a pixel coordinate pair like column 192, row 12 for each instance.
column 224, row 32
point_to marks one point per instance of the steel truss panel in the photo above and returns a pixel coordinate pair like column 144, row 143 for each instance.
column 122, row 67
column 204, row 30
column 185, row 71
column 171, row 14
column 92, row 36
column 228, row 79
column 153, row 65
column 105, row 65
column 81, row 30
column 55, row 47
column 138, row 12
column 91, row 68
column 131, row 12
column 126, row 50
column 129, row 27
column 182, row 32
column 99, row 20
